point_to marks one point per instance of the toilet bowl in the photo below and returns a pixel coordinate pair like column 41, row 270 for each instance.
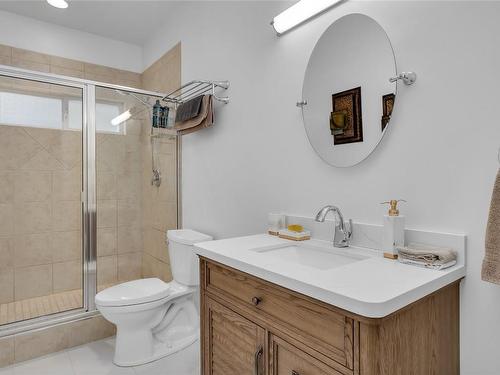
column 154, row 319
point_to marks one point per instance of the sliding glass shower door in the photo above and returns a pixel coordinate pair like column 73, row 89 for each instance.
column 77, row 207
column 41, row 246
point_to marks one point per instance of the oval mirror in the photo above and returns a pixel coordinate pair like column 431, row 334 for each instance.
column 347, row 90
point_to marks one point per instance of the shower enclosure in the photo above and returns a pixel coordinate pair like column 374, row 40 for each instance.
column 76, row 200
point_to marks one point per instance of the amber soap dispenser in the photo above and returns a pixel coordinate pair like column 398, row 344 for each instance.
column 394, row 230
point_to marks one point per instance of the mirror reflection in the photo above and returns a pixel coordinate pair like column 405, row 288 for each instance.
column 349, row 97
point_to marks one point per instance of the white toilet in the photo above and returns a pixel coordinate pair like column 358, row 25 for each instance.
column 153, row 318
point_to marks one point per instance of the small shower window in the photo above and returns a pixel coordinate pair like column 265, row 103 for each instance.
column 74, row 114
column 105, row 112
column 53, row 112
column 20, row 109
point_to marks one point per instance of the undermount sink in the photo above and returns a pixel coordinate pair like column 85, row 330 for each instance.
column 310, row 256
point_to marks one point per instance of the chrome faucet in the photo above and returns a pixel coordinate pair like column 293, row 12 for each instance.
column 343, row 232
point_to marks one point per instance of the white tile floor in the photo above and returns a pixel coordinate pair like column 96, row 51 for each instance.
column 96, row 359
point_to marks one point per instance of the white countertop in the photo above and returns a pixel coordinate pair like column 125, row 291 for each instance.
column 373, row 287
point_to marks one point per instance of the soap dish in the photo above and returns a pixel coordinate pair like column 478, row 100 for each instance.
column 295, row 236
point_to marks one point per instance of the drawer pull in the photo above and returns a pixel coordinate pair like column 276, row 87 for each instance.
column 258, row 360
column 295, row 372
column 256, row 300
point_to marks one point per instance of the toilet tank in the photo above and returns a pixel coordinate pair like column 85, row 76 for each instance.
column 183, row 259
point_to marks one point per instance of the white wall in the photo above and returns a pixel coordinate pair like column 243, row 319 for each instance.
column 439, row 152
column 23, row 32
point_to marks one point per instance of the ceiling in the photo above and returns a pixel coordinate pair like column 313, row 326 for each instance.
column 126, row 20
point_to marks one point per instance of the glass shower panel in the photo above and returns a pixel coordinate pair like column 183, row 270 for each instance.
column 119, row 165
column 133, row 213
column 41, row 263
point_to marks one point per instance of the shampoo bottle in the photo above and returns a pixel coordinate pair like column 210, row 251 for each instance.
column 156, row 114
column 394, row 230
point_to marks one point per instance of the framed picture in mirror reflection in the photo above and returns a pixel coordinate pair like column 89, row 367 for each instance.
column 387, row 106
column 346, row 120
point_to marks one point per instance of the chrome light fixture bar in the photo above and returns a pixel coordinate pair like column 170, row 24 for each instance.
column 299, row 13
column 61, row 4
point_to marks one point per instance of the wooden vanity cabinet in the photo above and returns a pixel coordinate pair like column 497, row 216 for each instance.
column 235, row 344
column 250, row 326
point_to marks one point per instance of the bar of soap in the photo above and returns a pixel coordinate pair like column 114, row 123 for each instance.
column 295, row 236
column 295, row 228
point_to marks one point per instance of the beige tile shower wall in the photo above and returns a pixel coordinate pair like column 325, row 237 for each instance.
column 119, row 206
column 160, row 203
column 40, row 180
column 58, row 65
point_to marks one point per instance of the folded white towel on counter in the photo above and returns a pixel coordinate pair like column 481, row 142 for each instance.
column 427, row 256
column 427, row 265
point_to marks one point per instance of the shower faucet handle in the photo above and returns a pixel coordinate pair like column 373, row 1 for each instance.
column 156, row 179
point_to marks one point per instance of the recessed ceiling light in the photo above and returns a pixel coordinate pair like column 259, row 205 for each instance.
column 61, row 4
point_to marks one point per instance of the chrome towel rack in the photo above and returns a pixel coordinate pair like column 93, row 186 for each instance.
column 195, row 88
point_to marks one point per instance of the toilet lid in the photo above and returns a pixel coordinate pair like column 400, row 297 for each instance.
column 187, row 236
column 133, row 293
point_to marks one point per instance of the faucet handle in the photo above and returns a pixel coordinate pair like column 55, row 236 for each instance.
column 348, row 229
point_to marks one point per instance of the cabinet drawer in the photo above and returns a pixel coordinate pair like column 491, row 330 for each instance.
column 311, row 322
column 286, row 359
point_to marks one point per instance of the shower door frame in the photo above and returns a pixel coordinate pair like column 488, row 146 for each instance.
column 88, row 194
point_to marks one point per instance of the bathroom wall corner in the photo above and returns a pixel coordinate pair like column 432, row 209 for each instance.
column 160, row 203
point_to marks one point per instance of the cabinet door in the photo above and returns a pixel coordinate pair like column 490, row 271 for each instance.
column 287, row 359
column 232, row 345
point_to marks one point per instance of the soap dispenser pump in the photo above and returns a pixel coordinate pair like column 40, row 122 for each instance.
column 394, row 230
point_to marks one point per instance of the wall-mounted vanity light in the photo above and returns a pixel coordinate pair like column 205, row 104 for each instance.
column 299, row 13
column 61, row 4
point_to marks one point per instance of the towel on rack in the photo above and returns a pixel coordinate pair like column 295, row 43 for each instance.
column 188, row 110
column 491, row 264
column 427, row 256
column 203, row 120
